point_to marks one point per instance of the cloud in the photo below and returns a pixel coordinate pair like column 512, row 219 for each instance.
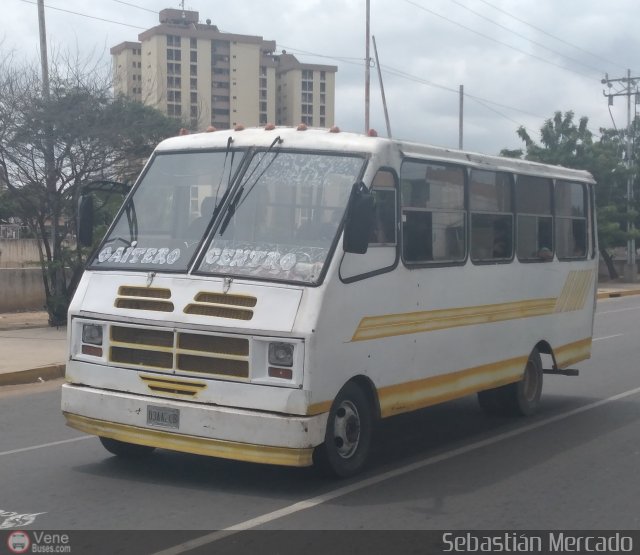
column 434, row 41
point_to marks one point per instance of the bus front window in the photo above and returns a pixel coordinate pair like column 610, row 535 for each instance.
column 285, row 216
column 165, row 219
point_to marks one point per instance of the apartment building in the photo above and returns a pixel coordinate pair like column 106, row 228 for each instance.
column 202, row 76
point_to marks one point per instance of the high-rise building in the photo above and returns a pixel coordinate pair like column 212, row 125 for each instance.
column 195, row 72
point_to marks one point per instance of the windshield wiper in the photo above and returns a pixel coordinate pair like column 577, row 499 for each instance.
column 217, row 204
column 238, row 198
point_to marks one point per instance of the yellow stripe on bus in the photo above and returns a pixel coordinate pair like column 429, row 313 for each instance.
column 265, row 454
column 417, row 394
column 573, row 297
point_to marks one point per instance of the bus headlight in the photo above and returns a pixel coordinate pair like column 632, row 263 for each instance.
column 281, row 354
column 92, row 334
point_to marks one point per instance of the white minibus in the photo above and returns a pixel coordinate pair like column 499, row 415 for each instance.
column 269, row 294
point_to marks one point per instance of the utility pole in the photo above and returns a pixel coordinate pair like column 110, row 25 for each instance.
column 626, row 86
column 55, row 275
column 384, row 98
column 461, row 117
column 367, row 70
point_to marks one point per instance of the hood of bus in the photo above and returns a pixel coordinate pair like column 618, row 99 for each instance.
column 188, row 300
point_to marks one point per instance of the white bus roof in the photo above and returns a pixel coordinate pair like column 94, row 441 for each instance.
column 323, row 139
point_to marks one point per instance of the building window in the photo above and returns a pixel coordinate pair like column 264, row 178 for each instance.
column 193, row 69
column 174, row 96
column 194, row 98
column 193, row 43
column 193, row 56
column 173, row 40
column 193, row 83
column 173, row 54
column 174, row 110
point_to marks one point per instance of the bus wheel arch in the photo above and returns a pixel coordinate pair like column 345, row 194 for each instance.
column 521, row 398
column 349, row 432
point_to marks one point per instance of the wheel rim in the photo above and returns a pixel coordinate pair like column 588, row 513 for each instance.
column 530, row 386
column 346, row 429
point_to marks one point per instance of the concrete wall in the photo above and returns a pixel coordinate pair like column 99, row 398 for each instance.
column 21, row 289
column 18, row 253
column 21, row 285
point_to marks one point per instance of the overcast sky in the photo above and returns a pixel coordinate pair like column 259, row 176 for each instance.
column 519, row 60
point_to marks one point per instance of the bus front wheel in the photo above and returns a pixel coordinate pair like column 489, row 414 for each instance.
column 517, row 399
column 349, row 433
column 125, row 450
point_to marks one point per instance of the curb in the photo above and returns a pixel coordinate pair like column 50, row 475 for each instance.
column 42, row 373
column 618, row 293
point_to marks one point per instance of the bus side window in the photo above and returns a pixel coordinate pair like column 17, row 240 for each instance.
column 383, row 231
column 571, row 220
column 535, row 221
column 433, row 212
column 490, row 203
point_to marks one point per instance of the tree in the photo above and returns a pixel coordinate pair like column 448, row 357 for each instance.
column 50, row 149
column 565, row 143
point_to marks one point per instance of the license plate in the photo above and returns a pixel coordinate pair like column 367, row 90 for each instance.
column 163, row 417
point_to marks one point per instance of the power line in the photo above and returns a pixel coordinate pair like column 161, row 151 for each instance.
column 549, row 34
column 85, row 15
column 134, row 6
column 539, row 58
column 574, row 60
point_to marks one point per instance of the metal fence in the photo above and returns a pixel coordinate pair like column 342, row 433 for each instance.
column 14, row 231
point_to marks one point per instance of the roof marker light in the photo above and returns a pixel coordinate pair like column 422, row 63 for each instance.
column 334, row 129
column 239, row 127
column 302, row 127
column 211, row 129
column 269, row 127
column 183, row 131
column 372, row 133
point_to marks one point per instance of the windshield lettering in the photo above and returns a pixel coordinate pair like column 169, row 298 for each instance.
column 144, row 256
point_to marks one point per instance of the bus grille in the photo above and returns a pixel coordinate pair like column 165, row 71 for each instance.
column 180, row 352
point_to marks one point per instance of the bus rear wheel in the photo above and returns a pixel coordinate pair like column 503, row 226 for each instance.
column 125, row 450
column 517, row 399
column 348, row 438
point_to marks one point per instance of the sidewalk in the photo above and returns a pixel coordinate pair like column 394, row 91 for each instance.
column 31, row 351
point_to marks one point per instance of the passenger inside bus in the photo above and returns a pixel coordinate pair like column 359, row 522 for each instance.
column 197, row 226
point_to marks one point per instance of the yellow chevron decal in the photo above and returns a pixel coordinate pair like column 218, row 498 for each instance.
column 574, row 295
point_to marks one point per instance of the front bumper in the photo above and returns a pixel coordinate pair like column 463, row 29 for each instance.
column 239, row 434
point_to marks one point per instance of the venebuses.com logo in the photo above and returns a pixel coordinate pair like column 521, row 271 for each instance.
column 18, row 542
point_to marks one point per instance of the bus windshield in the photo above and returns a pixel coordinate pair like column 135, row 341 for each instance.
column 164, row 221
column 283, row 218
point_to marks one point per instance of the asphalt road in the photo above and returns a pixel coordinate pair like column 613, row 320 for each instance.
column 572, row 466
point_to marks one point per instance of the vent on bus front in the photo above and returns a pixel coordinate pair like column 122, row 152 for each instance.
column 237, row 307
column 215, row 355
column 173, row 386
column 144, row 298
column 174, row 351
column 142, row 347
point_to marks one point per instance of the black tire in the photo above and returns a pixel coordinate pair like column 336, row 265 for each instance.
column 348, row 438
column 126, row 450
column 517, row 399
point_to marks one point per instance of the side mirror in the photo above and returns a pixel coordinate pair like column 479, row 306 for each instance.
column 360, row 217
column 85, row 221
